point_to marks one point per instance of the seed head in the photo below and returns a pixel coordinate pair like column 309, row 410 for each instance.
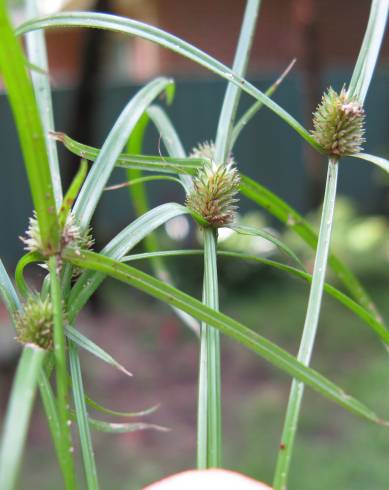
column 70, row 235
column 339, row 123
column 34, row 325
column 215, row 187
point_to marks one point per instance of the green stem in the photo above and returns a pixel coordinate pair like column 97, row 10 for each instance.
column 61, row 374
column 310, row 327
column 211, row 299
column 18, row 414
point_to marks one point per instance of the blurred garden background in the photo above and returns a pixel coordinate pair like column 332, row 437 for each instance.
column 93, row 75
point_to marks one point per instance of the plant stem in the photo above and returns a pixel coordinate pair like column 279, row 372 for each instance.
column 209, row 433
column 209, row 405
column 61, row 375
column 310, row 327
column 18, row 414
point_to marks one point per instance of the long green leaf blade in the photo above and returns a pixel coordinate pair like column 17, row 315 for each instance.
column 82, row 419
column 365, row 315
column 119, row 246
column 30, row 131
column 37, row 56
column 296, row 222
column 101, row 170
column 379, row 161
column 368, row 54
column 7, row 292
column 158, row 36
column 18, row 414
column 138, row 162
column 82, row 341
column 255, row 342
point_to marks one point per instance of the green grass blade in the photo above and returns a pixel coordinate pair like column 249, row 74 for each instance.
column 136, row 183
column 49, row 404
column 138, row 194
column 18, row 414
column 72, row 192
column 102, row 168
column 82, row 420
column 377, row 327
column 29, row 258
column 7, row 292
column 30, row 131
column 171, row 140
column 108, row 411
column 296, row 222
column 37, row 56
column 81, row 341
column 136, row 162
column 379, row 161
column 249, row 230
column 241, row 334
column 368, row 54
column 119, row 246
column 223, row 143
column 120, row 428
column 251, row 111
column 158, row 36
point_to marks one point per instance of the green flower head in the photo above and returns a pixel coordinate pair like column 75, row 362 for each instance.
column 215, row 188
column 339, row 123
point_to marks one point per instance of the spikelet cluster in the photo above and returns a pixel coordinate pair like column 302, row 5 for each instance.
column 70, row 235
column 339, row 123
column 34, row 325
column 215, row 188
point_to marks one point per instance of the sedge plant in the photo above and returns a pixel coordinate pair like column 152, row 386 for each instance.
column 59, row 237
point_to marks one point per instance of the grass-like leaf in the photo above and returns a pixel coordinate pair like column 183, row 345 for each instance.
column 101, row 170
column 223, row 140
column 7, row 292
column 158, row 36
column 49, row 403
column 82, row 419
column 251, row 111
column 138, row 162
column 368, row 318
column 85, row 343
column 249, row 230
column 30, row 131
column 119, row 246
column 37, row 57
column 296, row 222
column 122, row 428
column 368, row 54
column 101, row 408
column 18, row 414
column 379, row 161
column 240, row 333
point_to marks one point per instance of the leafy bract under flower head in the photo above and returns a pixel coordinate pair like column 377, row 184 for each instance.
column 339, row 123
column 215, row 188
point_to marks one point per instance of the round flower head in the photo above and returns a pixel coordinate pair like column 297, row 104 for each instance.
column 34, row 325
column 339, row 123
column 215, row 188
column 71, row 235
